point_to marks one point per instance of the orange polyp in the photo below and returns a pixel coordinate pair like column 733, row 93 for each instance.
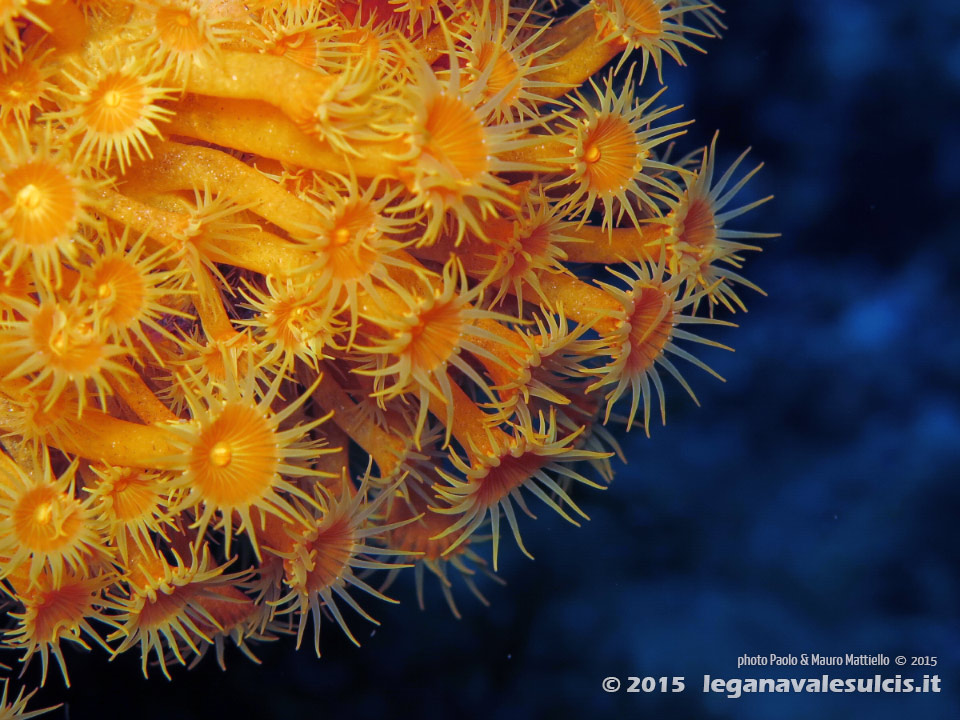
column 166, row 604
column 117, row 280
column 45, row 528
column 612, row 154
column 133, row 495
column 60, row 344
column 132, row 504
column 43, row 203
column 327, row 552
column 655, row 27
column 61, row 607
column 698, row 227
column 114, row 108
column 699, row 248
column 25, row 84
column 504, row 77
column 494, row 479
column 349, row 256
column 454, row 138
column 510, row 473
column 644, row 15
column 234, row 460
column 178, row 30
column 434, row 337
column 452, row 164
column 32, row 418
column 421, row 535
column 651, row 325
column 56, row 610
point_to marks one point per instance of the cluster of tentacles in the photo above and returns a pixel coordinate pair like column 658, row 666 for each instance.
column 296, row 294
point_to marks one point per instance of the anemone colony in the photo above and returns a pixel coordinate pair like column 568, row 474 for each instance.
column 296, row 294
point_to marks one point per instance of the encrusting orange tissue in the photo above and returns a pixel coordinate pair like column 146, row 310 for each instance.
column 297, row 295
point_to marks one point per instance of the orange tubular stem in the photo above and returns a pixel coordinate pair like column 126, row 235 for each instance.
column 385, row 448
column 259, row 128
column 633, row 244
column 471, row 426
column 256, row 250
column 498, row 373
column 103, row 438
column 263, row 252
column 433, row 45
column 583, row 302
column 177, row 167
column 209, row 305
column 162, row 225
column 580, row 55
column 293, row 88
column 140, row 398
column 540, row 150
column 334, row 462
column 66, row 24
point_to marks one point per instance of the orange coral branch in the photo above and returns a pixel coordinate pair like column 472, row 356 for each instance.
column 256, row 127
column 177, row 167
column 641, row 244
column 385, row 449
column 580, row 55
column 141, row 399
column 66, row 24
column 296, row 90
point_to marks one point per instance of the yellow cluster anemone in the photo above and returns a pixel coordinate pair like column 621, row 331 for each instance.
column 297, row 297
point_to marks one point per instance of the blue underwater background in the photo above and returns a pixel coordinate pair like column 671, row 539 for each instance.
column 810, row 505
